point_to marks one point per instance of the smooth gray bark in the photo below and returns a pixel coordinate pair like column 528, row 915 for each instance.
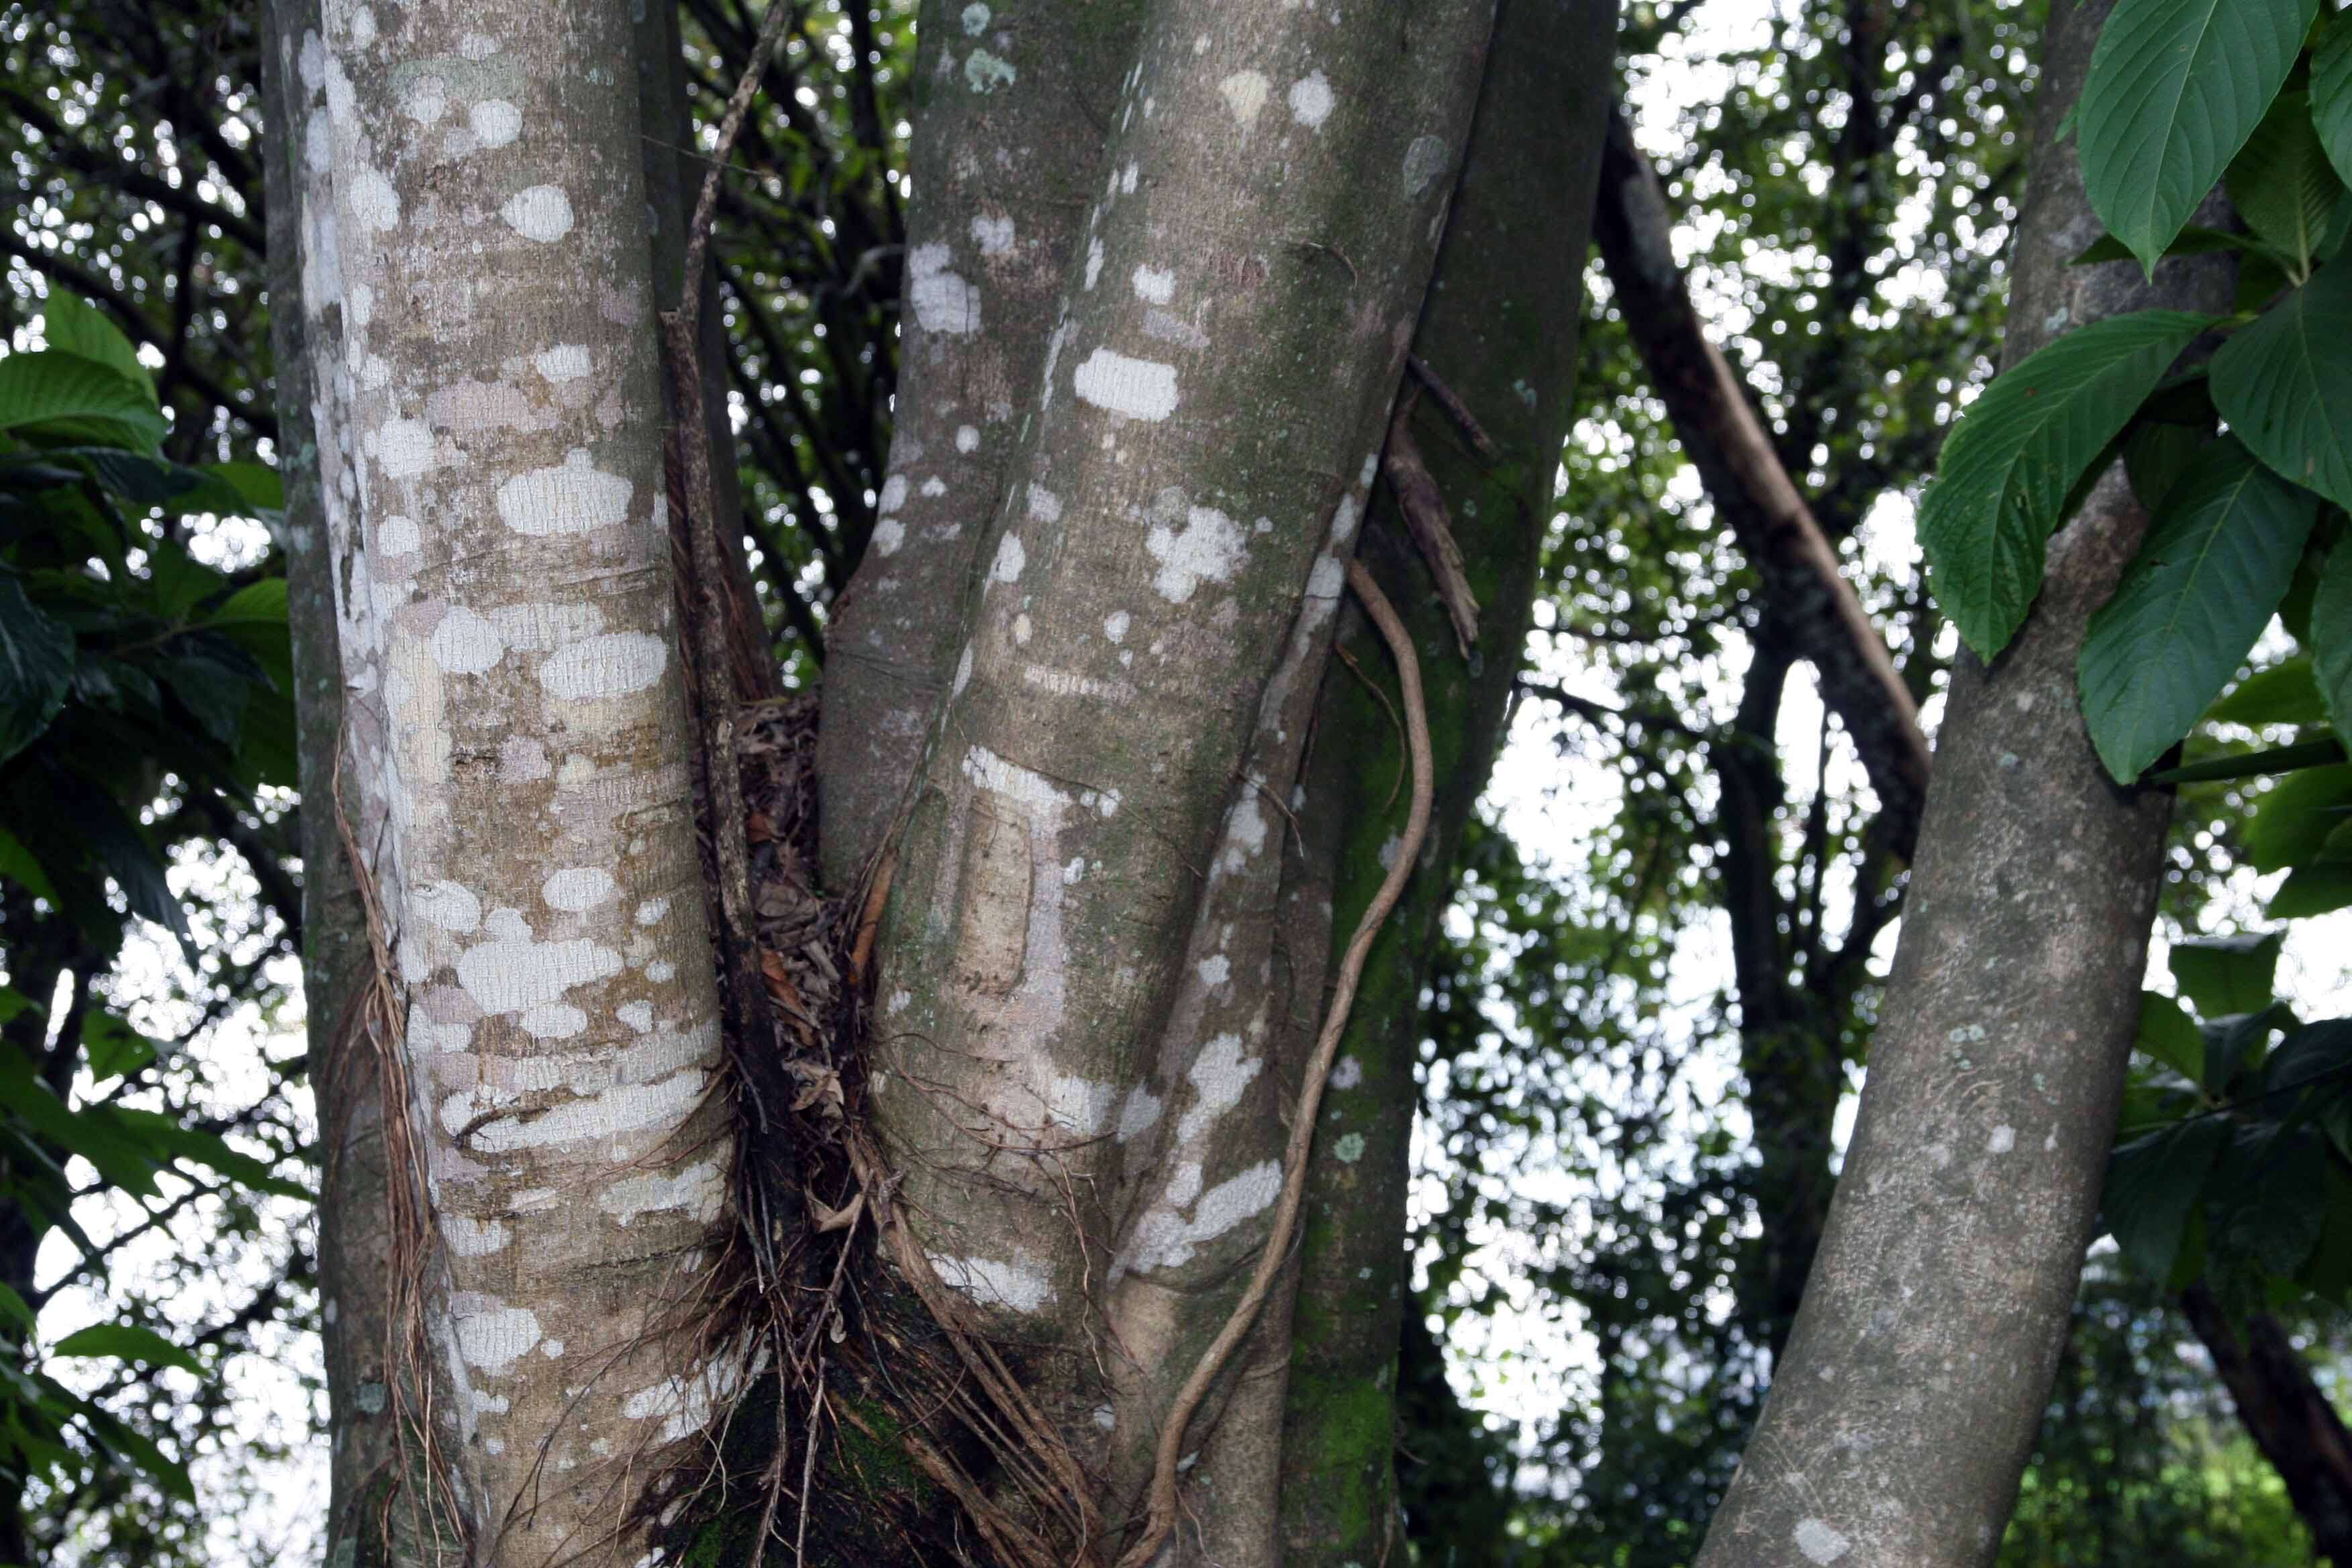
column 1014, row 104
column 478, row 288
column 1078, row 1060
column 1902, row 1417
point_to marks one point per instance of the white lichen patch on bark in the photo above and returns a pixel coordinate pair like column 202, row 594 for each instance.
column 1137, row 388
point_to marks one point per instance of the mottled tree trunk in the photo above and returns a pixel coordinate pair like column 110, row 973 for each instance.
column 354, row 1233
column 478, row 296
column 1904, row 1414
column 1014, row 107
column 1095, row 997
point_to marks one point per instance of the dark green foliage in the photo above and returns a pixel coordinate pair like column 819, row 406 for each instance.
column 2175, row 89
column 145, row 691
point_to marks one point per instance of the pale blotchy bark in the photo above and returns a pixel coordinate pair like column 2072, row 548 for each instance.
column 1905, row 1411
column 1014, row 107
column 1075, row 1046
column 1499, row 329
column 355, row 1236
column 490, row 455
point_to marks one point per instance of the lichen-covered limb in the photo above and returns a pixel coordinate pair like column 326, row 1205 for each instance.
column 1013, row 103
column 1904, row 1413
column 490, row 453
column 1073, row 1055
column 1499, row 330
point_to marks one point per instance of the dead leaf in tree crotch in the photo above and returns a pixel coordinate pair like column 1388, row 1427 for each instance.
column 993, row 937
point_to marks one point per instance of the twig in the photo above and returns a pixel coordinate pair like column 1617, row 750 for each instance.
column 1456, row 409
column 744, row 996
column 1164, row 1502
column 1432, row 527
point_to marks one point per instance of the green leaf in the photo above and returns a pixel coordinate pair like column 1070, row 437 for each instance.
column 2282, row 185
column 2311, row 890
column 2331, row 635
column 262, row 600
column 2206, row 583
column 2174, row 89
column 2016, row 455
column 2156, row 453
column 2153, row 1182
column 2169, row 1034
column 2314, row 1053
column 2269, row 1190
column 2194, row 240
column 37, row 664
column 73, row 324
column 257, row 485
column 2291, row 822
column 64, row 397
column 14, row 1310
column 111, row 1046
column 126, row 1341
column 2239, row 1043
column 2331, row 94
column 2285, row 693
column 2227, row 975
column 2284, row 384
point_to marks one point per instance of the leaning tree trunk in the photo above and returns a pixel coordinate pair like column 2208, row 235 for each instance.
column 2289, row 1415
column 1010, row 147
column 478, row 298
column 1903, row 1416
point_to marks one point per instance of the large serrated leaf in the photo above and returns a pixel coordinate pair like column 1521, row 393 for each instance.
column 2168, row 1034
column 2206, row 583
column 2012, row 460
column 2153, row 1182
column 73, row 324
column 2283, row 694
column 2282, row 185
column 2284, row 384
column 2331, row 94
column 2331, row 635
column 2174, row 89
column 2290, row 824
column 126, row 1341
column 2226, row 974
column 2311, row 890
column 65, row 398
column 36, row 666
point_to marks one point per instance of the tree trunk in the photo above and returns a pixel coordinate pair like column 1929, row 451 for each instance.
column 1011, row 146
column 355, row 1256
column 1099, row 976
column 489, row 450
column 1729, row 443
column 1499, row 333
column 2289, row 1417
column 1905, row 1412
